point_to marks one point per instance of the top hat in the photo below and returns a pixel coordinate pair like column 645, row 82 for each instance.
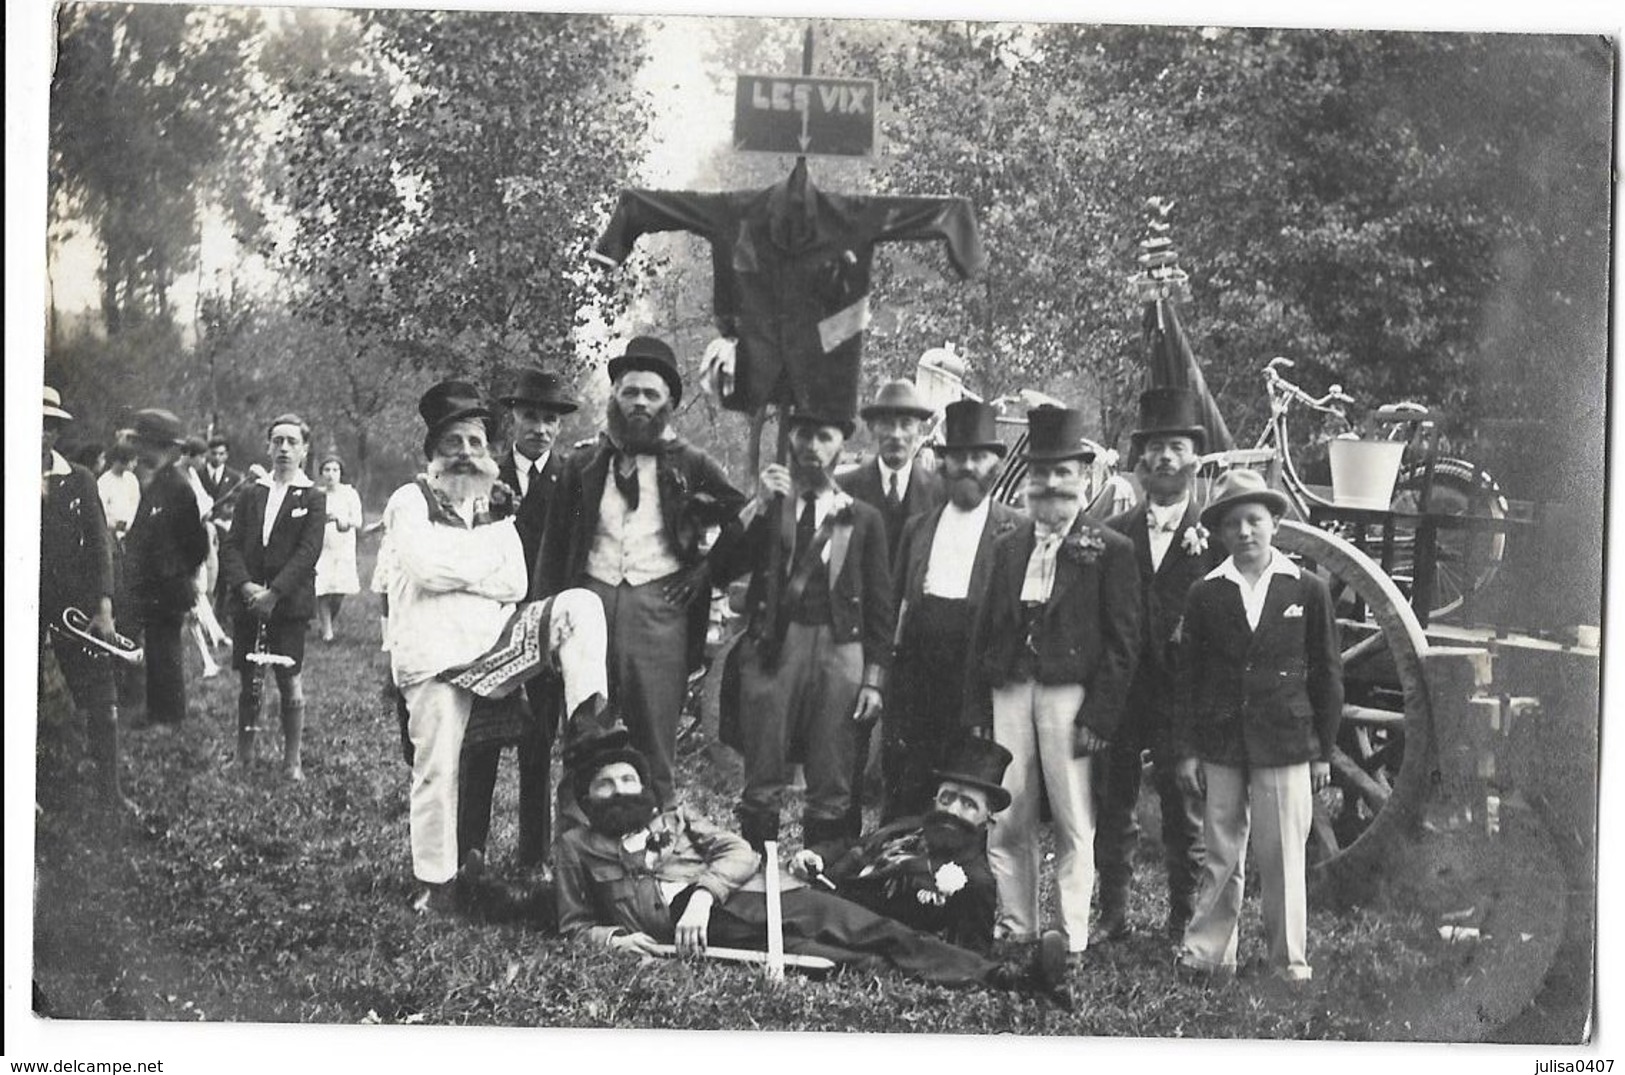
column 448, row 402
column 799, row 417
column 1241, row 486
column 968, row 425
column 980, row 763
column 1056, row 433
column 538, row 388
column 897, row 397
column 1171, row 412
column 594, row 742
column 53, row 405
column 654, row 355
column 155, row 426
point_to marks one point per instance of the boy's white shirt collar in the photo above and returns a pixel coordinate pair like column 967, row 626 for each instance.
column 1278, row 565
column 300, row 480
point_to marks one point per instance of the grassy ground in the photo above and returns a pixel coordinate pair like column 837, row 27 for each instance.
column 257, row 900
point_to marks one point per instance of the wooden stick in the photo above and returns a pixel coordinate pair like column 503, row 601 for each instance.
column 751, row 956
column 775, row 913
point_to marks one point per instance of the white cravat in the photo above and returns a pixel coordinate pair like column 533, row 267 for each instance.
column 1162, row 524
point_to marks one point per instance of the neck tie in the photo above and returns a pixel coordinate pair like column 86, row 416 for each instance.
column 804, row 527
column 893, row 498
column 625, row 469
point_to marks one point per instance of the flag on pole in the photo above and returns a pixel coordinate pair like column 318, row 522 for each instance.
column 1172, row 364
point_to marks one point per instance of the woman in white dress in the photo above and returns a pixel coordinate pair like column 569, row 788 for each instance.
column 336, row 570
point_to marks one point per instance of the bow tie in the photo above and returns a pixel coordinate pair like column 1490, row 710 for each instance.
column 1169, row 526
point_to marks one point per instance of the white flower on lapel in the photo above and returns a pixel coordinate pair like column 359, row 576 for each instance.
column 297, row 512
column 1293, row 612
column 950, row 878
column 841, row 506
column 1195, row 540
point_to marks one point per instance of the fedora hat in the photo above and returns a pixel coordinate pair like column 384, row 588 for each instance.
column 980, row 763
column 1170, row 412
column 1241, row 486
column 968, row 425
column 53, row 405
column 153, row 425
column 897, row 397
column 652, row 354
column 538, row 388
column 809, row 417
column 1056, row 433
column 448, row 402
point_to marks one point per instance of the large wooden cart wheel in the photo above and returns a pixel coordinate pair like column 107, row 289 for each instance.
column 1380, row 785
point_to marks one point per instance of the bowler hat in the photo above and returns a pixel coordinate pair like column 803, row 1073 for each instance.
column 818, row 418
column 155, row 426
column 969, row 425
column 980, row 763
column 1056, row 433
column 1241, row 486
column 448, row 402
column 53, row 405
column 652, row 354
column 538, row 388
column 897, row 397
column 1170, row 412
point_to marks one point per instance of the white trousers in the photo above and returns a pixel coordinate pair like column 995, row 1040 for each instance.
column 1034, row 722
column 437, row 716
column 1278, row 805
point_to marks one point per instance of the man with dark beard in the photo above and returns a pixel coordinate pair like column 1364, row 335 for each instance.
column 627, row 523
column 1052, row 652
column 941, row 576
column 930, row 872
column 635, row 877
column 1173, row 552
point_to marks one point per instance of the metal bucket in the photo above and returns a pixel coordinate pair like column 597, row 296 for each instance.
column 1364, row 472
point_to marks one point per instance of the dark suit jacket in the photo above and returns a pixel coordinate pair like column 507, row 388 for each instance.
column 860, row 594
column 165, row 545
column 229, row 477
column 76, row 551
column 288, row 563
column 531, row 517
column 1162, row 603
column 914, row 556
column 924, row 492
column 1089, row 631
column 1268, row 697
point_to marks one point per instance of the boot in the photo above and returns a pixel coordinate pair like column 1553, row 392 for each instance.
column 248, row 719
column 830, row 838
column 293, row 734
column 1111, row 924
column 104, row 751
column 757, row 828
column 1181, row 908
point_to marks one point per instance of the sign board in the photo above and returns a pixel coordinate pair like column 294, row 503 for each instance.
column 805, row 115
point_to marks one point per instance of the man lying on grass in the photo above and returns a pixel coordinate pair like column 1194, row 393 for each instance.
column 635, row 877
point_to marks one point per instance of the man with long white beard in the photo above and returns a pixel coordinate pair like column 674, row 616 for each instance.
column 1052, row 652
column 626, row 523
column 455, row 574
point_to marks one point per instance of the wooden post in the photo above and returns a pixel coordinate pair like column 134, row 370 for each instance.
column 775, row 912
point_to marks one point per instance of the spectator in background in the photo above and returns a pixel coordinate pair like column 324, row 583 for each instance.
column 336, row 576
column 92, row 456
column 217, row 477
column 120, row 489
column 203, row 624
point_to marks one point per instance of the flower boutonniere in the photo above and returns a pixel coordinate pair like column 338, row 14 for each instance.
column 949, row 878
column 503, row 499
column 1082, row 546
column 841, row 507
column 1194, row 540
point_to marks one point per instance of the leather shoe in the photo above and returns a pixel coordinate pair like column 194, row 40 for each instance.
column 1049, row 970
column 1110, row 926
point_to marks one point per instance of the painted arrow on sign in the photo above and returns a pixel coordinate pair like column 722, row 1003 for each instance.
column 808, row 115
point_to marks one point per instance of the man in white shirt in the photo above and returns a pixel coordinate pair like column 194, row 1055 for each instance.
column 941, row 576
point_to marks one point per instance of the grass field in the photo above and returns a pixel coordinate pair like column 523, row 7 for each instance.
column 256, row 900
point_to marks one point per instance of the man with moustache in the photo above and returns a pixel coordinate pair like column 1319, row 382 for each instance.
column 930, row 871
column 268, row 572
column 1173, row 552
column 1052, row 653
column 810, row 676
column 941, row 575
column 630, row 514
column 533, row 403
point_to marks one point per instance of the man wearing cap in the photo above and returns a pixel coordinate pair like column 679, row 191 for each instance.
column 635, row 877
column 814, row 674
column 941, row 578
column 268, row 575
column 166, row 545
column 76, row 571
column 454, row 575
column 1173, row 550
column 630, row 514
column 929, row 871
column 1052, row 653
column 533, row 402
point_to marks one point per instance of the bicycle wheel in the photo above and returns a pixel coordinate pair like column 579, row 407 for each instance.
column 1465, row 560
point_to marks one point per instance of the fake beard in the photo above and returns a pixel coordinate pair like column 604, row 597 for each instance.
column 945, row 835
column 638, row 433
column 1166, row 482
column 1052, row 508
column 619, row 814
column 967, row 490
column 463, row 480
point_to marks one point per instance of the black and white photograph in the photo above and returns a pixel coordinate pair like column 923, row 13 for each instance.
column 1055, row 533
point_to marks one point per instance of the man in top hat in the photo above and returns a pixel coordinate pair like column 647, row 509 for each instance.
column 76, row 571
column 455, row 574
column 809, row 677
column 166, row 545
column 941, row 576
column 268, row 576
column 929, row 871
column 630, row 514
column 1052, row 653
column 1173, row 550
column 532, row 404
